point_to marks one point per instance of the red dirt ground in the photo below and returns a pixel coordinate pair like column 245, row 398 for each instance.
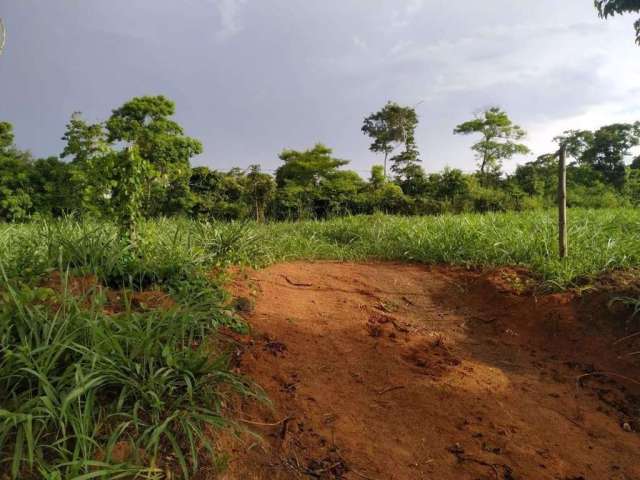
column 390, row 371
column 117, row 300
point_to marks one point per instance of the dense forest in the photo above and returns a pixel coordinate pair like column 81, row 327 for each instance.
column 141, row 151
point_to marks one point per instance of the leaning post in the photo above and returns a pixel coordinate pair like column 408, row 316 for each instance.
column 562, row 201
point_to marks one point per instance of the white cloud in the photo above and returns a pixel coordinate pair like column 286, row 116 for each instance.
column 359, row 42
column 541, row 134
column 229, row 11
column 414, row 6
column 401, row 18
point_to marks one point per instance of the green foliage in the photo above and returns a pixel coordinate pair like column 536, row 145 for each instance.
column 391, row 128
column 605, row 149
column 130, row 173
column 311, row 184
column 218, row 195
column 177, row 250
column 76, row 383
column 308, row 168
column 136, row 165
column 499, row 142
column 15, row 198
column 609, row 8
column 144, row 122
column 260, row 189
column 528, row 239
column 377, row 176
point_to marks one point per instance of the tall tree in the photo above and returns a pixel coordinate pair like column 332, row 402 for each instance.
column 260, row 190
column 390, row 128
column 145, row 123
column 499, row 142
column 609, row 8
column 136, row 163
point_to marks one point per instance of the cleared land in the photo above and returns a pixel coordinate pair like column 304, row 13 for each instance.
column 391, row 371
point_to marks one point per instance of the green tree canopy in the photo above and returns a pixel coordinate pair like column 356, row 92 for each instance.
column 605, row 149
column 136, row 163
column 144, row 122
column 6, row 136
column 377, row 180
column 390, row 128
column 609, row 8
column 307, row 168
column 499, row 141
column 15, row 185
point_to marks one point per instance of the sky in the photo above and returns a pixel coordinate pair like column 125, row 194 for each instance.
column 252, row 77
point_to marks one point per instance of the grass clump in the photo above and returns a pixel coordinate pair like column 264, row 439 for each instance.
column 78, row 387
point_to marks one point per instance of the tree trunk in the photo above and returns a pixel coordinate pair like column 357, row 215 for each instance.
column 386, row 154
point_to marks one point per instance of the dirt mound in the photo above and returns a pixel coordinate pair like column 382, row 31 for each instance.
column 390, row 371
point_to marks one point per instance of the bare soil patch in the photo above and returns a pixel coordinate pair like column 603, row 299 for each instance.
column 395, row 371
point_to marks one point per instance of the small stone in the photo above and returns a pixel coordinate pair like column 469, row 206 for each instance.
column 456, row 449
column 626, row 427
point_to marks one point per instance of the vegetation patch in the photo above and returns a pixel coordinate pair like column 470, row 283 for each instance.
column 97, row 382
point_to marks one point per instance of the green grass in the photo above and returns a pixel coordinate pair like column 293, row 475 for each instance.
column 599, row 240
column 75, row 382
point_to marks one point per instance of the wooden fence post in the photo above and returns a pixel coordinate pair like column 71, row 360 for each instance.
column 562, row 201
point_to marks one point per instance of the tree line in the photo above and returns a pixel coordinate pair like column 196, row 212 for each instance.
column 136, row 164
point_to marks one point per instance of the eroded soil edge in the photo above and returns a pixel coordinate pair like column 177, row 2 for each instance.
column 393, row 371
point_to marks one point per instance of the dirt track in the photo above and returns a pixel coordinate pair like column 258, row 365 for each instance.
column 385, row 371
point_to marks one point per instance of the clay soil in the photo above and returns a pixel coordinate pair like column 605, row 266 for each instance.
column 395, row 371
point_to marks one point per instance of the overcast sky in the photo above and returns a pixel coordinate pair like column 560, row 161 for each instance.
column 251, row 77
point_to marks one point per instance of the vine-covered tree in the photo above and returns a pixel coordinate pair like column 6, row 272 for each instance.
column 499, row 142
column 609, row 8
column 391, row 128
column 134, row 164
column 145, row 123
column 90, row 167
